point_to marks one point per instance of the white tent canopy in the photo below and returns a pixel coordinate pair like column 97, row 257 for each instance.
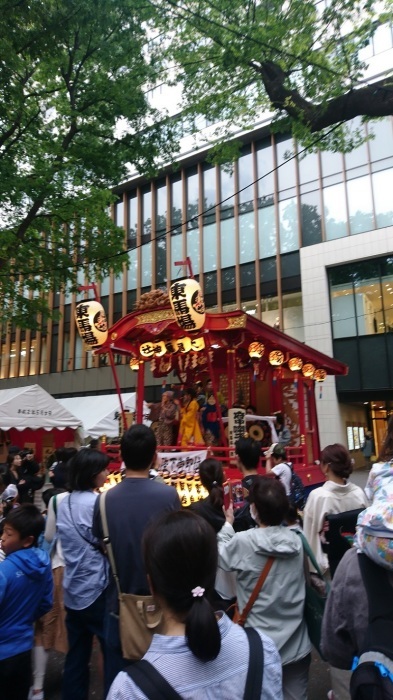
column 98, row 413
column 32, row 407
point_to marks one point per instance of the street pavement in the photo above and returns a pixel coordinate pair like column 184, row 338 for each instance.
column 319, row 683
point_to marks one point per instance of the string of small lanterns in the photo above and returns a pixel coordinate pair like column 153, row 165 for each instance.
column 256, row 351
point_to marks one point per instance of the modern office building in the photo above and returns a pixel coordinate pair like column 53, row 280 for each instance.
column 302, row 241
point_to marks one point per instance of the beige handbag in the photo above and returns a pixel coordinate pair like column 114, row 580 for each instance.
column 139, row 615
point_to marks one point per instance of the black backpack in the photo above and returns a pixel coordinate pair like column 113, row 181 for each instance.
column 298, row 492
column 372, row 677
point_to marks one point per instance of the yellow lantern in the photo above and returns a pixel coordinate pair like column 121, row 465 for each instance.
column 147, row 349
column 171, row 346
column 91, row 323
column 295, row 364
column 187, row 304
column 276, row 358
column 159, row 348
column 320, row 375
column 256, row 350
column 197, row 344
column 308, row 370
column 134, row 364
column 184, row 344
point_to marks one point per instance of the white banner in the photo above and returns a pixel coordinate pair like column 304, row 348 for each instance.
column 180, row 461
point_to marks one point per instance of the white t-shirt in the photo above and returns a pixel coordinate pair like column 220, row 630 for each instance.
column 284, row 472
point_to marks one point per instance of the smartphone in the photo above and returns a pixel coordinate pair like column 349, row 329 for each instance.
column 238, row 498
column 227, row 494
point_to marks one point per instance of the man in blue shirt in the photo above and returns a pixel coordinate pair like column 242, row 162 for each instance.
column 129, row 507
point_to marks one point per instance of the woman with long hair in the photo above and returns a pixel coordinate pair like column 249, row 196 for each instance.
column 86, row 569
column 200, row 653
column 337, row 495
column 210, row 508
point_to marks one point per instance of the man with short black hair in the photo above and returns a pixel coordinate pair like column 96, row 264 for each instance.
column 248, row 454
column 130, row 506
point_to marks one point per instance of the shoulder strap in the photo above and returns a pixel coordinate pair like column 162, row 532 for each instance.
column 310, row 553
column 255, row 593
column 55, row 504
column 254, row 680
column 107, row 541
column 151, row 682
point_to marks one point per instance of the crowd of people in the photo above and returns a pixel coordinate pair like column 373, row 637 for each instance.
column 206, row 566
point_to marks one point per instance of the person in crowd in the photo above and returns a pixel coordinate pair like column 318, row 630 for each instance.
column 210, row 422
column 276, row 464
column 210, row 508
column 199, row 652
column 337, row 495
column 59, row 471
column 190, row 430
column 12, row 472
column 368, row 448
column 248, row 455
column 200, row 394
column 129, row 508
column 220, row 396
column 25, row 595
column 279, row 607
column 50, row 630
column 169, row 415
column 251, row 410
column 29, row 472
column 374, row 532
column 283, row 433
column 86, row 569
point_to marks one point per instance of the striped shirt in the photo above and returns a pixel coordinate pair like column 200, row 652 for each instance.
column 224, row 678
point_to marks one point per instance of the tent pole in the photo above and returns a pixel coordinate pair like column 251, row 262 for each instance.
column 118, row 390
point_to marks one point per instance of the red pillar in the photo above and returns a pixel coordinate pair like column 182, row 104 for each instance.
column 231, row 368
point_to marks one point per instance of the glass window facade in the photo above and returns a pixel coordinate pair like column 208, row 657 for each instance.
column 361, row 298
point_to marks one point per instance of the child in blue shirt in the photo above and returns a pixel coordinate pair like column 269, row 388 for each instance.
column 26, row 589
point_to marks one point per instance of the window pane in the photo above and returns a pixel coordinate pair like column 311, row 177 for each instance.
column 247, row 237
column 387, row 291
column 359, row 155
column 383, row 188
column 77, row 358
column 131, row 281
column 118, row 283
column 286, row 168
column 265, row 173
column 209, row 193
column 383, row 38
column 310, row 211
column 267, row 232
column 192, row 198
column 332, row 163
column 176, row 205
column 228, row 249
column 228, row 279
column 160, row 248
column 146, row 213
column 342, row 309
column 227, row 189
column 335, row 212
column 146, row 277
column 193, row 249
column 119, row 214
column 176, row 254
column 288, row 225
column 381, row 146
column 161, row 204
column 368, row 299
column 293, row 315
column 360, row 205
column 132, row 219
column 246, row 188
column 209, row 247
column 308, row 167
column 269, row 306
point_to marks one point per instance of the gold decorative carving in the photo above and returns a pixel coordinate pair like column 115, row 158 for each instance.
column 239, row 322
column 113, row 336
column 155, row 317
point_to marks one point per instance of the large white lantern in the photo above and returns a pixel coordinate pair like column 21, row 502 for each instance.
column 187, row 304
column 91, row 323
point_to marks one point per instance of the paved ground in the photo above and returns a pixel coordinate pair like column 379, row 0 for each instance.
column 319, row 672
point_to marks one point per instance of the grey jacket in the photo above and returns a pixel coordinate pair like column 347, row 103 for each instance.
column 279, row 608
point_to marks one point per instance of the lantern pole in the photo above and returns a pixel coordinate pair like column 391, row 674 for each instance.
column 231, row 368
column 117, row 385
column 140, row 391
column 86, row 287
column 185, row 263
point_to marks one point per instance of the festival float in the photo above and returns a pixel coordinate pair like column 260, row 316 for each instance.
column 248, row 362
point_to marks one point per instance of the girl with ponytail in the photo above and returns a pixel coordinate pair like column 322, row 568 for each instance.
column 210, row 508
column 200, row 653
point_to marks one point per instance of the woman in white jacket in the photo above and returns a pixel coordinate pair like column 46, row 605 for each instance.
column 279, row 609
column 337, row 495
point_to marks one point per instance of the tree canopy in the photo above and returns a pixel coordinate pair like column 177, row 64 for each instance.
column 73, row 114
column 302, row 61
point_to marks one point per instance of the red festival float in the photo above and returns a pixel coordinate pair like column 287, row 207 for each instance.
column 248, row 362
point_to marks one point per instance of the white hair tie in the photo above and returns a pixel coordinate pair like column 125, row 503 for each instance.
column 197, row 592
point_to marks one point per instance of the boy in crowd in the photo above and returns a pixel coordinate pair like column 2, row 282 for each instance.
column 26, row 586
